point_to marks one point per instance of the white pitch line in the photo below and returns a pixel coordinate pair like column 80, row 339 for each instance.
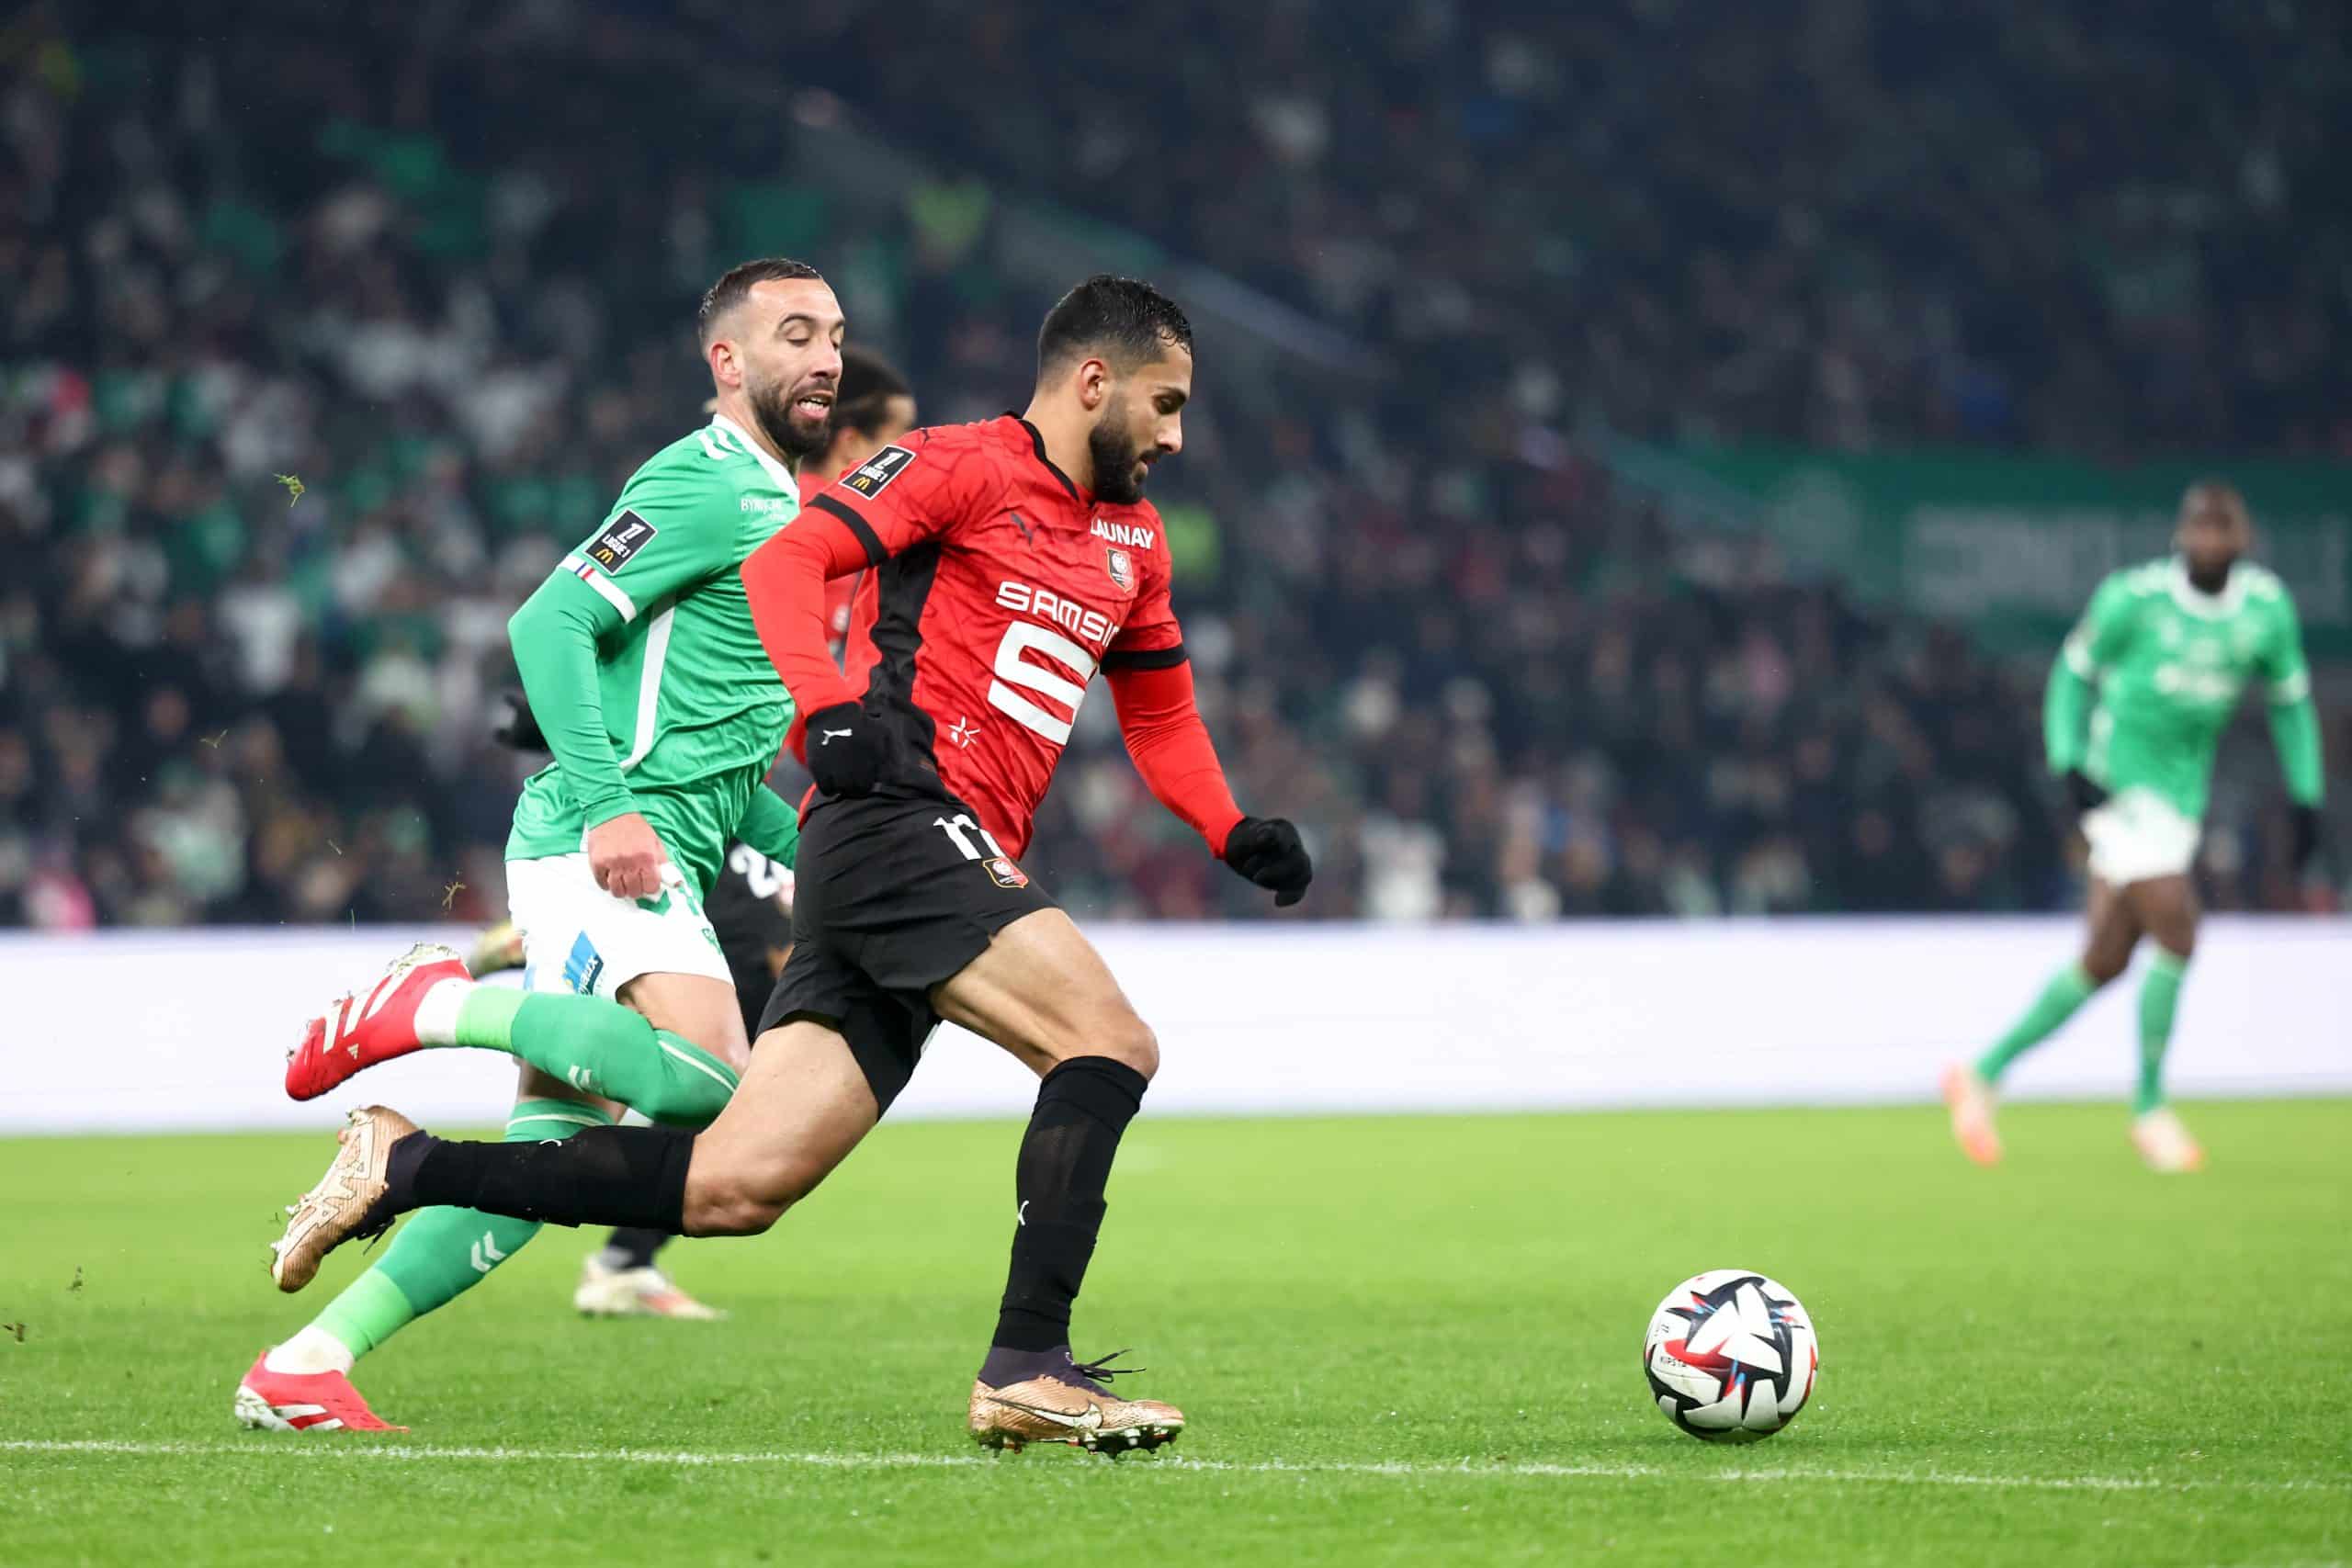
column 1778, row 1475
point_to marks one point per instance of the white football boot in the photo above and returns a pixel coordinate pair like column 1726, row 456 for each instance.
column 608, row 1291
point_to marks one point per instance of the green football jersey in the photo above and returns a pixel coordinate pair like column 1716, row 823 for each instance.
column 2169, row 663
column 691, row 714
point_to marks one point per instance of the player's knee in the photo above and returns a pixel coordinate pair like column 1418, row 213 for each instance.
column 734, row 1209
column 736, row 1052
column 1130, row 1040
column 734, row 1213
column 747, row 1202
column 2100, row 967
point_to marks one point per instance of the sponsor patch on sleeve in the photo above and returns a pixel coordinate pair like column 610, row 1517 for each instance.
column 621, row 539
column 873, row 476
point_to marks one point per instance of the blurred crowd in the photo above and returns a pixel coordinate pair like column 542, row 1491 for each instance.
column 1843, row 222
column 327, row 334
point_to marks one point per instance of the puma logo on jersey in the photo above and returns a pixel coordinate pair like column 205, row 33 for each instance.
column 1133, row 534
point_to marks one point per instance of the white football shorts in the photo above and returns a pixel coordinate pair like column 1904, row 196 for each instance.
column 579, row 938
column 2138, row 835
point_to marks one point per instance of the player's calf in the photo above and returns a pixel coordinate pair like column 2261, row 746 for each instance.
column 805, row 1096
column 425, row 999
column 804, row 1105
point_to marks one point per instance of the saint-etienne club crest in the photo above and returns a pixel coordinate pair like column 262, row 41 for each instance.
column 1123, row 568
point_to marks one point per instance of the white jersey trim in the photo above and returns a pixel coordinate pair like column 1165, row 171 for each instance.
column 648, row 685
column 727, row 430
column 607, row 589
column 2206, row 607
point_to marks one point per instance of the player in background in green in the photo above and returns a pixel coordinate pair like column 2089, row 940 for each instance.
column 646, row 676
column 2157, row 665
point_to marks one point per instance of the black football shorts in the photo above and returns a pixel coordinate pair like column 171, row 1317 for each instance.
column 753, row 918
column 893, row 893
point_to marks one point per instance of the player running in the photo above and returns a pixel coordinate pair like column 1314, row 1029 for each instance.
column 647, row 678
column 751, row 904
column 2166, row 646
column 1012, row 559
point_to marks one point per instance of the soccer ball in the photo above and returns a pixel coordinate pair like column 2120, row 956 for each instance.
column 1730, row 1356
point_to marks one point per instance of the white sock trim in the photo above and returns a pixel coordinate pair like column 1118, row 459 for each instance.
column 436, row 1011
column 312, row 1350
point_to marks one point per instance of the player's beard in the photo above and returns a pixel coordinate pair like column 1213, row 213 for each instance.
column 1119, row 469
column 794, row 436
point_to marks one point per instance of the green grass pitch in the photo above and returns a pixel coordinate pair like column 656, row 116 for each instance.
column 1399, row 1341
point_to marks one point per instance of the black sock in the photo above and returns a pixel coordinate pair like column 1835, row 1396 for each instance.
column 627, row 1176
column 1083, row 1107
column 631, row 1248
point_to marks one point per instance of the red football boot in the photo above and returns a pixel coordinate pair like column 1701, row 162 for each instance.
column 304, row 1401
column 370, row 1026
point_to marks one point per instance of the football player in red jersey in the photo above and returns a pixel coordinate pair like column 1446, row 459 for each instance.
column 1012, row 558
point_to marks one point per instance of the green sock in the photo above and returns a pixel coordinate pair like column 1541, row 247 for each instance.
column 2159, row 994
column 2068, row 990
column 441, row 1254
column 600, row 1048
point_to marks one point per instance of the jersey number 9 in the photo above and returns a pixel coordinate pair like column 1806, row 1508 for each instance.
column 1013, row 670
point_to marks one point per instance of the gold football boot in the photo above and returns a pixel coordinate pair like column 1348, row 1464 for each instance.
column 1068, row 1404
column 340, row 1206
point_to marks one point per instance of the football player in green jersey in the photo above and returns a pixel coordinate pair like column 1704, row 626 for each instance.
column 645, row 674
column 751, row 904
column 2157, row 665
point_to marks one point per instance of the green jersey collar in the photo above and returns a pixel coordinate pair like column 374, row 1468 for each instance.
column 2194, row 601
column 776, row 470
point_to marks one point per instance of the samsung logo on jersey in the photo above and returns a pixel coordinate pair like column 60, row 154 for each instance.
column 1133, row 534
column 1087, row 626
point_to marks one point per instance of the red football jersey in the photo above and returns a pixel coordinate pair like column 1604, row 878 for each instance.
column 999, row 589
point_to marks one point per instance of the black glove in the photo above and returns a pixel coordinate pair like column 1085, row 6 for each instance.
column 1267, row 850
column 847, row 746
column 2082, row 792
column 521, row 729
column 2306, row 819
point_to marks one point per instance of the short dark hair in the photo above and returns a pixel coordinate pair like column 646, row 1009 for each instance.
column 868, row 383
column 1123, row 320
column 736, row 282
